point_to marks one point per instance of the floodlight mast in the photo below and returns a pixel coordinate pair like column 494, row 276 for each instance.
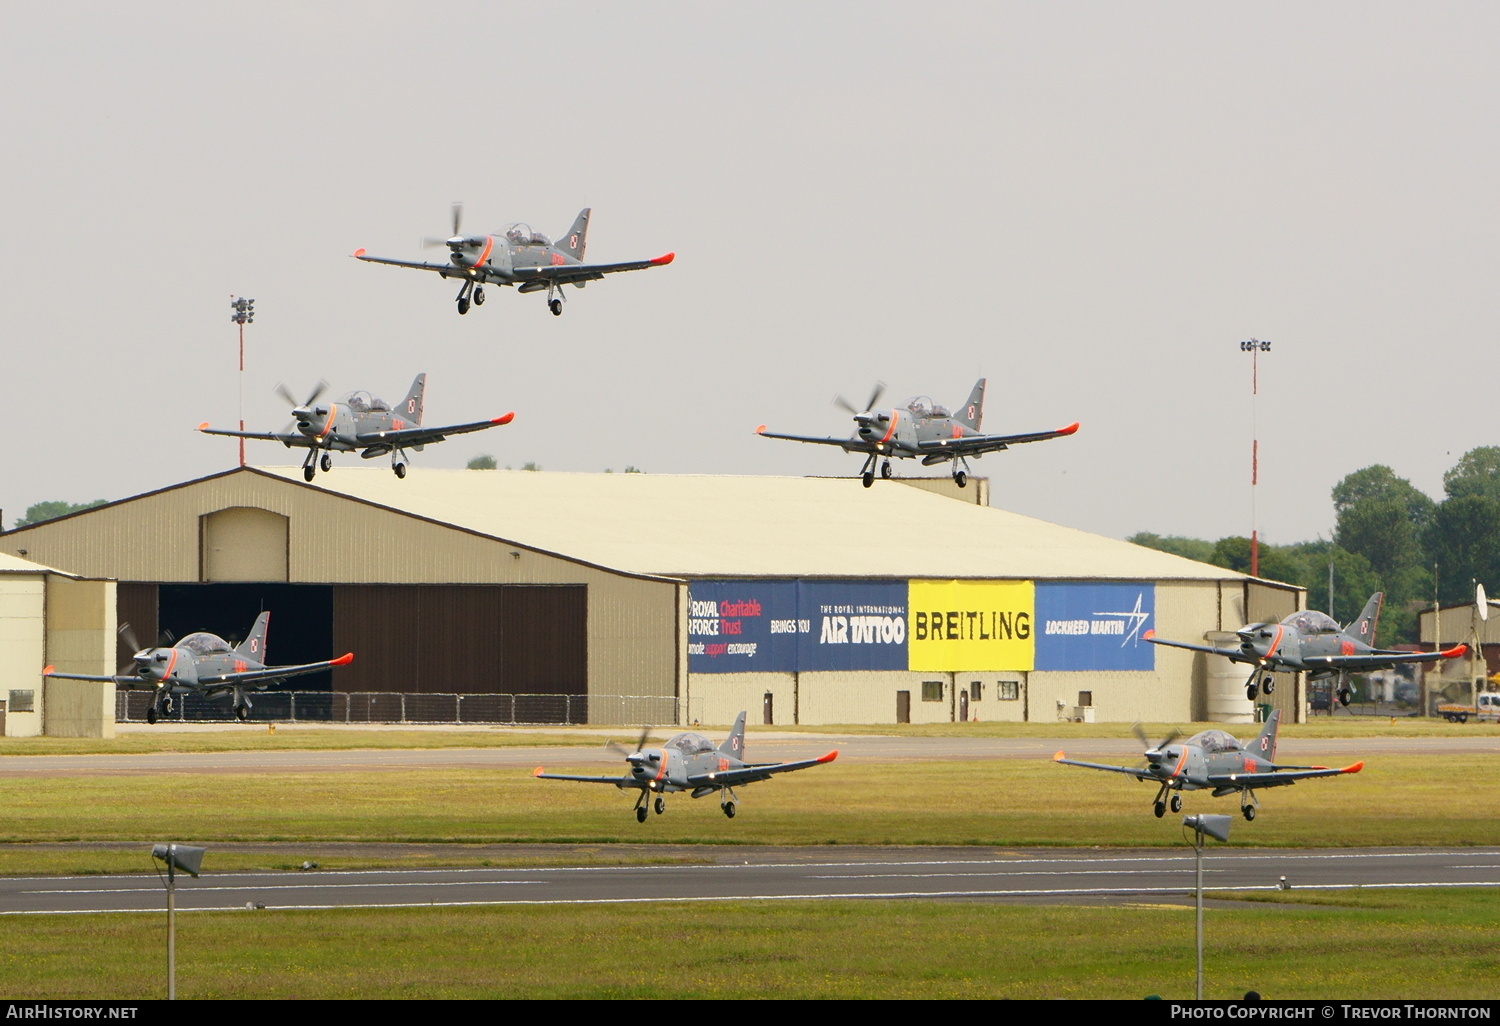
column 1254, row 346
column 244, row 313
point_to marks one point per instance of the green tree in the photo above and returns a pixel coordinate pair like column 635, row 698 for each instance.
column 1381, row 530
column 1188, row 548
column 1464, row 541
column 1476, row 473
column 482, row 462
column 529, row 465
column 40, row 511
column 1381, row 482
column 633, row 470
column 1277, row 563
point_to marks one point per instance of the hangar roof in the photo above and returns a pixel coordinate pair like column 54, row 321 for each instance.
column 720, row 526
column 16, row 565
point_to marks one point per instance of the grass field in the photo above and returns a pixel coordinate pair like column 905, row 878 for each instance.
column 1397, row 800
column 1372, row 944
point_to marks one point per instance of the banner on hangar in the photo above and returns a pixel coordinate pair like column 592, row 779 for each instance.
column 1095, row 625
column 790, row 626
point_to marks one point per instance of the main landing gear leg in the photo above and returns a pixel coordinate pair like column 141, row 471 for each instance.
column 640, row 808
column 463, row 297
column 398, row 462
column 555, row 299
column 1159, row 806
column 960, row 471
column 1248, row 804
column 310, row 465
column 728, row 803
column 867, row 473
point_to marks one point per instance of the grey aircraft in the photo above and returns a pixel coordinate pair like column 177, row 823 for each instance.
column 1213, row 759
column 517, row 255
column 690, row 762
column 358, row 422
column 203, row 664
column 1313, row 642
column 921, row 429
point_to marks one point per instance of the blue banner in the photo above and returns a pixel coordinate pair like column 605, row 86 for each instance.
column 1094, row 626
column 851, row 625
column 742, row 626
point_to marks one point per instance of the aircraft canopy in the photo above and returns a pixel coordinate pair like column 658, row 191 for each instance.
column 1310, row 621
column 922, row 406
column 364, row 402
column 524, row 235
column 1212, row 741
column 204, row 644
column 691, row 744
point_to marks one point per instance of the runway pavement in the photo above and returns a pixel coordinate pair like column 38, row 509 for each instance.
column 1041, row 875
column 851, row 747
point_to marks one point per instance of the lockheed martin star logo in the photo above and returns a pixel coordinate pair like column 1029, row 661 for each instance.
column 1137, row 621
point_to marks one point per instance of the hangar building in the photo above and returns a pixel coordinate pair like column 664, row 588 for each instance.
column 804, row 600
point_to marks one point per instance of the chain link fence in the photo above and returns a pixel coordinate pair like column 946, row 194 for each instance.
column 399, row 707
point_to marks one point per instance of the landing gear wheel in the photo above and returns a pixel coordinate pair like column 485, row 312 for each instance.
column 400, row 469
column 960, row 479
column 640, row 814
column 478, row 296
column 885, row 470
column 326, row 463
column 308, row 472
column 1345, row 697
column 1250, row 692
column 463, row 305
column 1160, row 808
column 1177, row 803
column 1248, row 812
column 729, row 809
column 661, row 805
column 555, row 305
column 241, row 713
column 1268, row 684
column 868, row 477
column 151, row 714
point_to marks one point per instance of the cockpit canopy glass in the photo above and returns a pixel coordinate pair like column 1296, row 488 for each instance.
column 922, row 406
column 1212, row 741
column 364, row 402
column 1310, row 621
column 524, row 235
column 691, row 744
column 204, row 644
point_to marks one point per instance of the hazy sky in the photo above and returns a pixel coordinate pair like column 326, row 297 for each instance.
column 1091, row 204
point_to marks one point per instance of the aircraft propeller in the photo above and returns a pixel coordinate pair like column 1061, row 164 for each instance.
column 300, row 408
column 138, row 654
column 640, row 743
column 428, row 242
column 875, row 395
column 1154, row 753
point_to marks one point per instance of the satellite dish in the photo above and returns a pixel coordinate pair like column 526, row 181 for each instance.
column 1481, row 604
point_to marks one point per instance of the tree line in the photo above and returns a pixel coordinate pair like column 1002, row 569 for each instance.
column 1388, row 536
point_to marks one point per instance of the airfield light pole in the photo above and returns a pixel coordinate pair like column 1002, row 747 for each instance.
column 244, row 313
column 1254, row 347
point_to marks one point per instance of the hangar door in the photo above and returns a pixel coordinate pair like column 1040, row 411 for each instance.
column 463, row 639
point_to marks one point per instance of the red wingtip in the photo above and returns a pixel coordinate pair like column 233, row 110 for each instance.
column 1059, row 756
column 506, row 419
column 1070, row 429
column 359, row 253
column 664, row 260
column 1455, row 651
column 830, row 756
column 760, row 430
column 1149, row 634
column 343, row 660
column 46, row 670
column 1355, row 768
column 203, row 426
column 538, row 771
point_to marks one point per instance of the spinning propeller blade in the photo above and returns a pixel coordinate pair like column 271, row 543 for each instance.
column 875, row 395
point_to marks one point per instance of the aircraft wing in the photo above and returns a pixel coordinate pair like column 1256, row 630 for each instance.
column 563, row 274
column 423, row 435
column 230, row 680
column 752, row 773
column 975, row 445
column 1139, row 774
column 1277, row 778
column 1381, row 658
column 296, row 438
column 847, row 444
column 126, row 680
column 1228, row 653
column 617, row 781
column 443, row 269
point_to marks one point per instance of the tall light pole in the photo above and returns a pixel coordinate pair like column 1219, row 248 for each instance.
column 1254, row 347
column 244, row 313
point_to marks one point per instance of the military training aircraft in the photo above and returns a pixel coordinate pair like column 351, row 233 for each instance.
column 358, row 421
column 690, row 762
column 921, row 428
column 203, row 664
column 1314, row 642
column 517, row 255
column 1214, row 759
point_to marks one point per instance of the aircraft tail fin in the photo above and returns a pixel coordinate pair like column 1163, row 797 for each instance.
column 411, row 406
column 1265, row 744
column 734, row 744
column 1363, row 628
column 973, row 410
column 254, row 645
column 573, row 242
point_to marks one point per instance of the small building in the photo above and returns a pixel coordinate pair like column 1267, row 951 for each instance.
column 805, row 600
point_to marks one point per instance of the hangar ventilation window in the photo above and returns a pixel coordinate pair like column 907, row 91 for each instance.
column 23, row 701
column 932, row 691
column 1085, row 699
column 976, row 690
column 1008, row 690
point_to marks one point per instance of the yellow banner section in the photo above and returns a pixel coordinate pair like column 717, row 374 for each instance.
column 971, row 625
